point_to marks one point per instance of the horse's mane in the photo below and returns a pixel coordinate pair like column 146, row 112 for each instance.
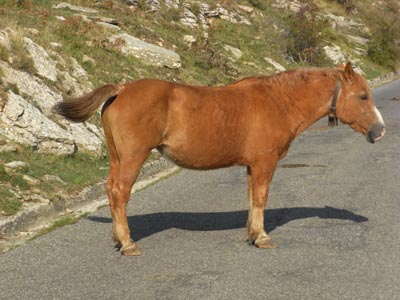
column 293, row 77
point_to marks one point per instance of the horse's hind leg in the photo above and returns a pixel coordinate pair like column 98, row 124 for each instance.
column 124, row 169
column 121, row 185
column 114, row 167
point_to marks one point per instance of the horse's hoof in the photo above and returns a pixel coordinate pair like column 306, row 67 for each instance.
column 265, row 243
column 131, row 250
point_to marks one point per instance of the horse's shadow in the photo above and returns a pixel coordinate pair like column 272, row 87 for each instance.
column 149, row 224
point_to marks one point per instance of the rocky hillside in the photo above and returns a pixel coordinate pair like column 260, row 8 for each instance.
column 51, row 49
column 48, row 50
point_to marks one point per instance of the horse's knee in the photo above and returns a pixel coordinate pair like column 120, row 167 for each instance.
column 120, row 192
column 109, row 187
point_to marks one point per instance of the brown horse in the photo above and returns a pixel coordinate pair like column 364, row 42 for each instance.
column 250, row 122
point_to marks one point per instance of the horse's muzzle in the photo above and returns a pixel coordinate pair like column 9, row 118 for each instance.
column 375, row 133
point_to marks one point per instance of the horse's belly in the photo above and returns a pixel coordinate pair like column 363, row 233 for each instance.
column 203, row 158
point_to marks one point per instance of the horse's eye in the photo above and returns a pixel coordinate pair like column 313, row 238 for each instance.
column 364, row 97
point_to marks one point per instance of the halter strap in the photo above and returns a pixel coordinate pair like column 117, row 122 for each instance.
column 332, row 117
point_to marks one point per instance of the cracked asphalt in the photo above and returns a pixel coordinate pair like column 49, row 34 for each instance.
column 333, row 209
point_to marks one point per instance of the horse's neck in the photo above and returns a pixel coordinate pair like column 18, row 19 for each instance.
column 312, row 102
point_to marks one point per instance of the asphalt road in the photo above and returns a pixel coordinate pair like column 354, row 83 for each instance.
column 333, row 209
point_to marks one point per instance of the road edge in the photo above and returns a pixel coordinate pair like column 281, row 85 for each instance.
column 29, row 221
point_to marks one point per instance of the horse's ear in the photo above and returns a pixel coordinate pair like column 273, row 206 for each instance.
column 348, row 71
column 342, row 66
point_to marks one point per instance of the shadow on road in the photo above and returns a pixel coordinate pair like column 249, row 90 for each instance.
column 149, row 224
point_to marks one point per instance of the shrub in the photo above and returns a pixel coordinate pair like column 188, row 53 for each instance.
column 305, row 35
column 260, row 4
column 21, row 58
column 9, row 205
column 382, row 47
column 4, row 55
column 12, row 87
column 348, row 5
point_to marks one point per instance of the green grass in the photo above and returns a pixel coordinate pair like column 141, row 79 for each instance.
column 64, row 221
column 19, row 182
column 9, row 205
column 77, row 171
column 4, row 55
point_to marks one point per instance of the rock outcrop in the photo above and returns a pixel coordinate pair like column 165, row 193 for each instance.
column 74, row 7
column 148, row 53
column 23, row 122
column 45, row 66
column 26, row 116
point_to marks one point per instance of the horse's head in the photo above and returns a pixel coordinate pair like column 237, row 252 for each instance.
column 356, row 106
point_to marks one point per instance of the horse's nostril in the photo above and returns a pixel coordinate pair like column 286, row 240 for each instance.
column 383, row 132
column 376, row 133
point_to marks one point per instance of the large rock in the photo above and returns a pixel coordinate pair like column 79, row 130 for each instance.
column 24, row 123
column 347, row 24
column 75, row 83
column 148, row 53
column 33, row 86
column 172, row 4
column 357, row 40
column 337, row 56
column 294, row 6
column 16, row 165
column 189, row 18
column 80, row 75
column 153, row 4
column 74, row 7
column 45, row 66
column 276, row 65
column 29, row 122
column 5, row 39
column 206, row 14
column 235, row 52
column 224, row 14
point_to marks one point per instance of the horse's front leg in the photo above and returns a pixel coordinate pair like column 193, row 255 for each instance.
column 259, row 177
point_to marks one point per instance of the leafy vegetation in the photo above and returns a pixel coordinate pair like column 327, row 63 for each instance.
column 9, row 204
column 64, row 221
column 71, row 174
column 22, row 60
column 76, row 171
column 382, row 47
column 305, row 36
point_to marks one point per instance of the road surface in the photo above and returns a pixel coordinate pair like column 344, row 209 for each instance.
column 333, row 210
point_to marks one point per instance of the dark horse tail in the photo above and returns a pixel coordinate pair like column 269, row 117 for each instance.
column 80, row 109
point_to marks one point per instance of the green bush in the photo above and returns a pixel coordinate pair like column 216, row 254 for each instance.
column 4, row 176
column 18, row 181
column 9, row 205
column 348, row 5
column 382, row 47
column 305, row 34
column 4, row 53
column 260, row 4
column 21, row 58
